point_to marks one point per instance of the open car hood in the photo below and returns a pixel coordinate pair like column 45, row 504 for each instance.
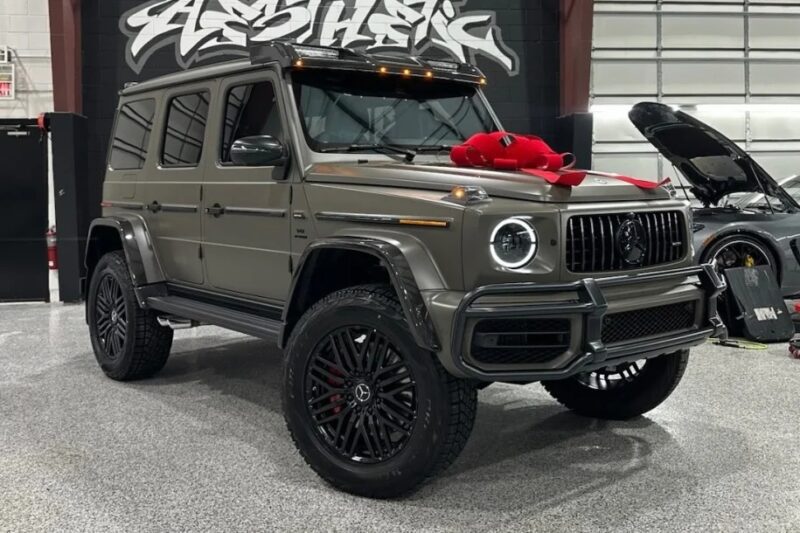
column 714, row 165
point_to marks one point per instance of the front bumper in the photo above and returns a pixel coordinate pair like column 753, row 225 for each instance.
column 585, row 304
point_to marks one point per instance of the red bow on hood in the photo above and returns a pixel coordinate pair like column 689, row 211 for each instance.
column 529, row 154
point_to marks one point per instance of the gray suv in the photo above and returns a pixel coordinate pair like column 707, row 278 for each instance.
column 306, row 196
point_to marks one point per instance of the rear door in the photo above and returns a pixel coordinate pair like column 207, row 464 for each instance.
column 171, row 187
column 246, row 209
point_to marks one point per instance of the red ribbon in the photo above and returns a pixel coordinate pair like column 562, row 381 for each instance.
column 529, row 154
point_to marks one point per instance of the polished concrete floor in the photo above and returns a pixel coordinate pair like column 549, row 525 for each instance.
column 203, row 447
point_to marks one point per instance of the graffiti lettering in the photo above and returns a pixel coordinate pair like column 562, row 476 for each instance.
column 202, row 28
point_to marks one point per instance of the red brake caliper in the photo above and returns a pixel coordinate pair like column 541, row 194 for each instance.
column 336, row 397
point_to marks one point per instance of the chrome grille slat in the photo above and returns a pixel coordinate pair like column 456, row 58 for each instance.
column 602, row 243
column 592, row 247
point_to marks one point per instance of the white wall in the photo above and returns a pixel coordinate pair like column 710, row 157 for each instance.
column 25, row 29
column 733, row 64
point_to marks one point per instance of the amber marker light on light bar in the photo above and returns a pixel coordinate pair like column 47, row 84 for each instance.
column 483, row 81
column 298, row 63
column 429, row 74
column 383, row 70
column 423, row 222
column 406, row 72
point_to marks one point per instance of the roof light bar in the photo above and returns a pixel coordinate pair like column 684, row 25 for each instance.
column 316, row 52
column 443, row 65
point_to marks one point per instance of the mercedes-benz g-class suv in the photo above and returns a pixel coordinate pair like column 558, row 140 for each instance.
column 306, row 196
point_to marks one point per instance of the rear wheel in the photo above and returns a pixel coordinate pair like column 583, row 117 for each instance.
column 622, row 391
column 127, row 340
column 370, row 411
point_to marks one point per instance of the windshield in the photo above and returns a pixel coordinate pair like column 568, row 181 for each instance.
column 342, row 110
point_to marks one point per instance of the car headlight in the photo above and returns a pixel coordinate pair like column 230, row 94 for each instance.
column 514, row 243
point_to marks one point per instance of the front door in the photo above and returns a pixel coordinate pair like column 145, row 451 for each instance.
column 246, row 209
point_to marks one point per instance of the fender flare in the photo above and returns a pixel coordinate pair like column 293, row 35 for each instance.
column 402, row 277
column 135, row 243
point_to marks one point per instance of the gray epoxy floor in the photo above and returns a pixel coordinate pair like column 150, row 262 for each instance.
column 203, row 447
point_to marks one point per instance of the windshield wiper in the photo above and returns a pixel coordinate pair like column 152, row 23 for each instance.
column 433, row 148
column 408, row 155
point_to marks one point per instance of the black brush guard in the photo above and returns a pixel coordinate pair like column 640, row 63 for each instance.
column 592, row 304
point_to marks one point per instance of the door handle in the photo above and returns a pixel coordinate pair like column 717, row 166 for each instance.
column 215, row 210
column 153, row 207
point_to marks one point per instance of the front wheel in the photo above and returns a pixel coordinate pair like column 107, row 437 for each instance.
column 370, row 411
column 622, row 391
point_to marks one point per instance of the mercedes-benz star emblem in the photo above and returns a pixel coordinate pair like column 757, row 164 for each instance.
column 362, row 392
column 631, row 242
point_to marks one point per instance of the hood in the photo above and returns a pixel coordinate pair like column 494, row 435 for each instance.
column 714, row 165
column 499, row 184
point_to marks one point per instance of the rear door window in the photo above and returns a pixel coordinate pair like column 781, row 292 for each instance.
column 185, row 130
column 132, row 135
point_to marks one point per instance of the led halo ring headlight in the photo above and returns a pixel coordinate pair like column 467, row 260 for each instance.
column 514, row 243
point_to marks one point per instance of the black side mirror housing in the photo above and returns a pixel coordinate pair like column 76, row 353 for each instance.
column 258, row 151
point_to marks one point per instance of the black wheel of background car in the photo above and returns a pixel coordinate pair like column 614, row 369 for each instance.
column 737, row 251
column 127, row 340
column 740, row 251
column 369, row 410
column 622, row 391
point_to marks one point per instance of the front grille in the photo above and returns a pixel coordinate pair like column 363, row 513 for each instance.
column 524, row 341
column 639, row 323
column 592, row 241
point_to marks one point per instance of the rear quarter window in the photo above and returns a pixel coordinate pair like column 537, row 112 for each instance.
column 132, row 135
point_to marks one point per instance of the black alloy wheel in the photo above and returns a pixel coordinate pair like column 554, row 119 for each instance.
column 612, row 377
column 621, row 391
column 361, row 394
column 370, row 411
column 112, row 319
column 127, row 340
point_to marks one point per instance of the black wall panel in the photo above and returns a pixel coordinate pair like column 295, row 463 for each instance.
column 131, row 40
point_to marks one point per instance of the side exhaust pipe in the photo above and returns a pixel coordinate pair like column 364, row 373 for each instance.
column 176, row 323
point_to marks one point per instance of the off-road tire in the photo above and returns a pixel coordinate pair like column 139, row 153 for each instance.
column 657, row 380
column 146, row 345
column 445, row 405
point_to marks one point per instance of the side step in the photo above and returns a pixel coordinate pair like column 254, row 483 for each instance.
column 257, row 326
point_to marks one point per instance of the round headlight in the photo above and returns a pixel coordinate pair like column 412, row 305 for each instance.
column 514, row 243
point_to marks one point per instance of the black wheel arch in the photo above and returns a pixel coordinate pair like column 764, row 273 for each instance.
column 129, row 234
column 331, row 260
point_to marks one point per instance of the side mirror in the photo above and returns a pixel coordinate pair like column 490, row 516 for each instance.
column 258, row 151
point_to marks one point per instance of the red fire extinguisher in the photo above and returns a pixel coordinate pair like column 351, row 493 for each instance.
column 52, row 251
